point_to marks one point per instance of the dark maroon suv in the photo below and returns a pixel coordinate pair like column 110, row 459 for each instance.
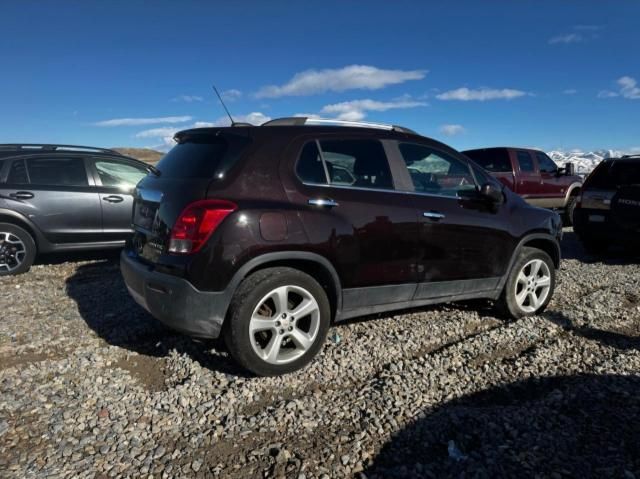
column 268, row 234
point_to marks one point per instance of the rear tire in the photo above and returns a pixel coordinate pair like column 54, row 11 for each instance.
column 17, row 250
column 530, row 285
column 278, row 321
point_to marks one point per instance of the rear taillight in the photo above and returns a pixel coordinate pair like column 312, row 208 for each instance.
column 196, row 224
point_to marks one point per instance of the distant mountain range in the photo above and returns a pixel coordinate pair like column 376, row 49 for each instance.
column 585, row 161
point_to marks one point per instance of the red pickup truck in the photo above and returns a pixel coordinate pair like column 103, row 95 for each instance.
column 532, row 175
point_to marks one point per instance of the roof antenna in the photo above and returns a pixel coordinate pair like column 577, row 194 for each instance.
column 224, row 106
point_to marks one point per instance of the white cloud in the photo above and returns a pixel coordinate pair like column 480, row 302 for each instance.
column 481, row 94
column 570, row 91
column 143, row 121
column 360, row 77
column 628, row 89
column 356, row 109
column 566, row 39
column 231, row 95
column 158, row 132
column 607, row 94
column 188, row 98
column 452, row 130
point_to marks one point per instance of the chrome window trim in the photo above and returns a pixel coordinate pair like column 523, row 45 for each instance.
column 380, row 190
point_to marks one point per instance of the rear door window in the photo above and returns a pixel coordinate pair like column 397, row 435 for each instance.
column 57, row 171
column 525, row 161
column 358, row 163
column 18, row 173
column 491, row 159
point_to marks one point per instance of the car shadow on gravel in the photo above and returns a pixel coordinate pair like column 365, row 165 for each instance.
column 574, row 426
column 615, row 339
column 106, row 306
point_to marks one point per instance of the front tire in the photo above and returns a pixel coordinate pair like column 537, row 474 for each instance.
column 17, row 250
column 530, row 284
column 278, row 321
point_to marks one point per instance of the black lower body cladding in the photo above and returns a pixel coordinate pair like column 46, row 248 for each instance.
column 174, row 301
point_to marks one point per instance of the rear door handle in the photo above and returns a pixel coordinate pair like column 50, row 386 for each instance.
column 22, row 195
column 113, row 199
column 328, row 202
column 433, row 215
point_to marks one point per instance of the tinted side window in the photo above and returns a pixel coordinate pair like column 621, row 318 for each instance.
column 614, row 175
column 57, row 172
column 525, row 161
column 491, row 159
column 360, row 163
column 435, row 172
column 545, row 163
column 122, row 175
column 18, row 173
column 310, row 168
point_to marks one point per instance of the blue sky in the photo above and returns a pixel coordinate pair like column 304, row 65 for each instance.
column 551, row 74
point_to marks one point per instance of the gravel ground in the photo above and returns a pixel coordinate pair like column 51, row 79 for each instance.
column 92, row 386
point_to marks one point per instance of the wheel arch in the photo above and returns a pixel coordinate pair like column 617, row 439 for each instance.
column 573, row 190
column 11, row 217
column 315, row 265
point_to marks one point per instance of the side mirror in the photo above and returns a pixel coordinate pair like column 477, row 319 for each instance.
column 569, row 169
column 493, row 193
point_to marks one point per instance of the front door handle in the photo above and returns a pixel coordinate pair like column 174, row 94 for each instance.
column 433, row 215
column 113, row 199
column 22, row 195
column 328, row 202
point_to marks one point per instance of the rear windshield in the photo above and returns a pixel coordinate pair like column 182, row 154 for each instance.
column 613, row 175
column 203, row 157
column 491, row 159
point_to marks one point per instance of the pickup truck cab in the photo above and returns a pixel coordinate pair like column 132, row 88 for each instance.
column 532, row 175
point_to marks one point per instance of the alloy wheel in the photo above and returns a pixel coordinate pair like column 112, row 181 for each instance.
column 284, row 324
column 533, row 285
column 12, row 252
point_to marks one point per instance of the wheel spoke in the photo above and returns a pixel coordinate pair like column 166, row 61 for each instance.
column 280, row 298
column 302, row 339
column 522, row 278
column 521, row 296
column 544, row 281
column 273, row 349
column 258, row 323
column 535, row 267
column 305, row 308
column 533, row 299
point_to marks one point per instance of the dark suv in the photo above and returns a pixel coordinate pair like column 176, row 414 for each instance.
column 608, row 212
column 268, row 234
column 63, row 198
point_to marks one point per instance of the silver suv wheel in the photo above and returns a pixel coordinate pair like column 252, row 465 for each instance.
column 284, row 324
column 533, row 285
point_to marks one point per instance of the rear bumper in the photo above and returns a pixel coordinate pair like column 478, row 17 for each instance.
column 174, row 301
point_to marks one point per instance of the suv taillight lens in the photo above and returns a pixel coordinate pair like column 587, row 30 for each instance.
column 196, row 224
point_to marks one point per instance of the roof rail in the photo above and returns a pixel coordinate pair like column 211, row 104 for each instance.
column 48, row 147
column 635, row 155
column 303, row 120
